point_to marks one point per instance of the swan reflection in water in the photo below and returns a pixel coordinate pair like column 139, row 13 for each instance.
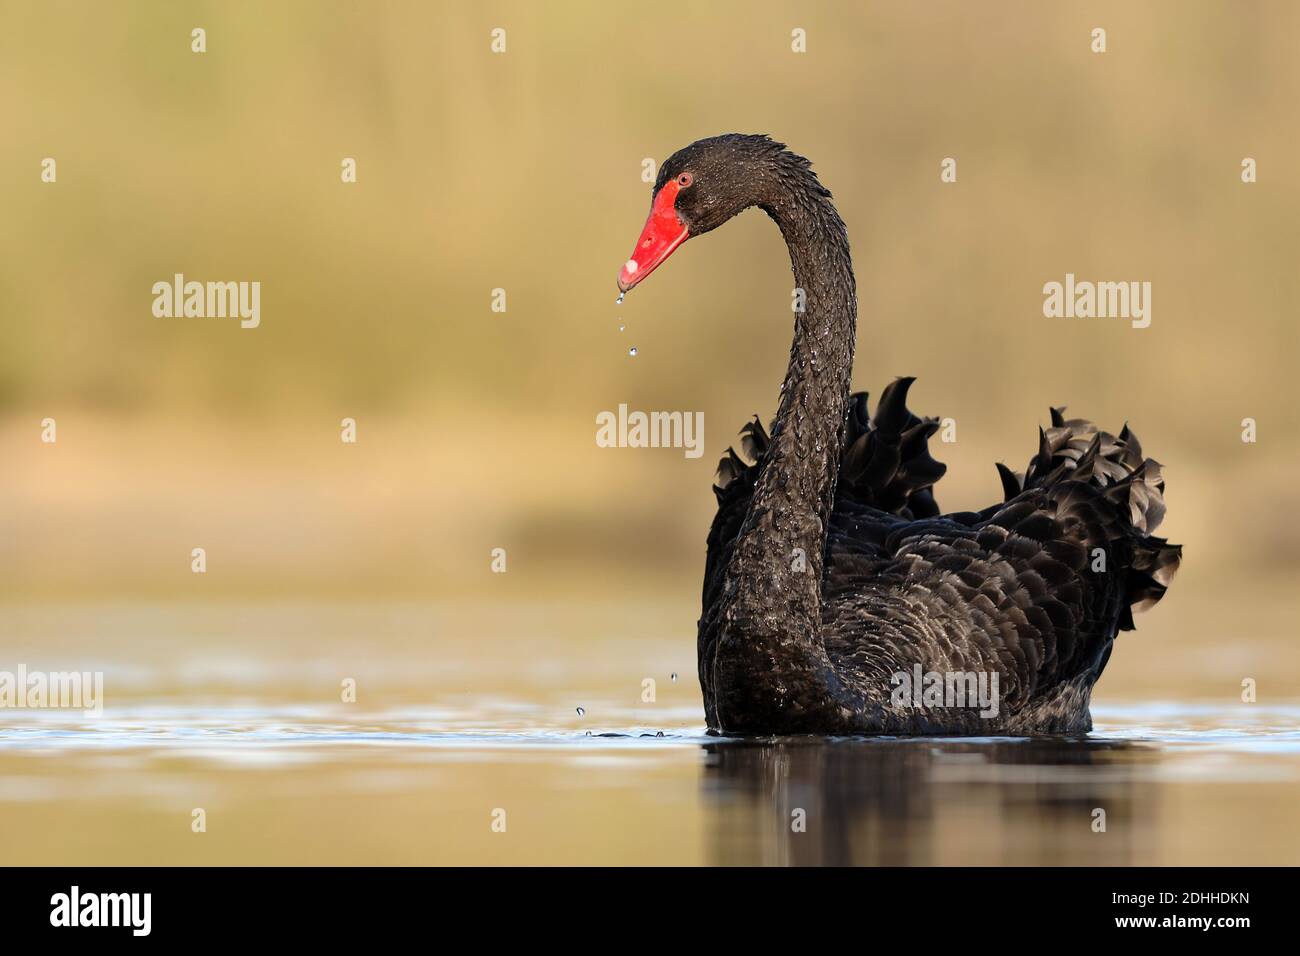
column 892, row 802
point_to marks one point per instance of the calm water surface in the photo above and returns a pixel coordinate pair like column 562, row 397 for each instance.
column 413, row 772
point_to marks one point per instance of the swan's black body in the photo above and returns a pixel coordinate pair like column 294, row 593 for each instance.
column 830, row 570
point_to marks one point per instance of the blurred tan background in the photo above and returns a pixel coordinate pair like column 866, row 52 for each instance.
column 522, row 171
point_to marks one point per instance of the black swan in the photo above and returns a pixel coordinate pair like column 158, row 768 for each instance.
column 832, row 582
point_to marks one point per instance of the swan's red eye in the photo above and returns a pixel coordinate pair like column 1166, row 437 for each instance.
column 685, row 179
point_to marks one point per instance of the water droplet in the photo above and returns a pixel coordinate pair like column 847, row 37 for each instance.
column 589, row 733
column 674, row 676
column 619, row 300
column 581, row 712
column 621, row 327
column 632, row 351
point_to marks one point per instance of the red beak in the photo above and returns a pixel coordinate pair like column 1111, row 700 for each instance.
column 662, row 234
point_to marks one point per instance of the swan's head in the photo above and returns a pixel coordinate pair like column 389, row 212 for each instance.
column 698, row 189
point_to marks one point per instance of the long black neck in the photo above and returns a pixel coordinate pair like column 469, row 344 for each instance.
column 771, row 612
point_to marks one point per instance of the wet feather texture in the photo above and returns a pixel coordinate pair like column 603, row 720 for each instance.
column 830, row 568
column 1011, row 586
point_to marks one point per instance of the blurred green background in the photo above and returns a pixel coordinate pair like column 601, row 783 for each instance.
column 522, row 171
column 476, row 429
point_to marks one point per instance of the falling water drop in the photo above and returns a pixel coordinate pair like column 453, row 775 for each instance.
column 581, row 712
column 632, row 351
column 674, row 677
column 621, row 327
column 619, row 300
